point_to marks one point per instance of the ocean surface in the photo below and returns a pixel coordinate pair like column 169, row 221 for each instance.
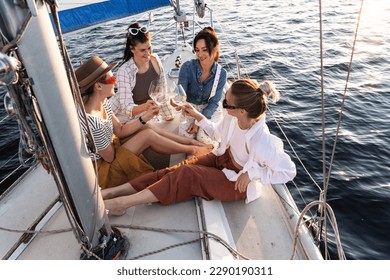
column 280, row 40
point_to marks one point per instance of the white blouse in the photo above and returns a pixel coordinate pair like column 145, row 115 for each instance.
column 267, row 161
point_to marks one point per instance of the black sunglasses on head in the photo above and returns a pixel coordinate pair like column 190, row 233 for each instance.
column 226, row 106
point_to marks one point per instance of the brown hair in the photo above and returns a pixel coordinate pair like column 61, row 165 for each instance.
column 133, row 40
column 89, row 91
column 211, row 39
column 253, row 97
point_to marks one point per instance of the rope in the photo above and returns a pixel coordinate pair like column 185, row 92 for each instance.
column 165, row 249
column 164, row 230
column 333, row 223
column 36, row 231
column 234, row 252
column 18, row 36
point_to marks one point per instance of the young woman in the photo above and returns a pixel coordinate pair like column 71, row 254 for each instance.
column 248, row 157
column 203, row 79
column 140, row 67
column 119, row 162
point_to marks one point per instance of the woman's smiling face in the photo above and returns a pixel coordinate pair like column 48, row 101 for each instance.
column 202, row 53
column 142, row 51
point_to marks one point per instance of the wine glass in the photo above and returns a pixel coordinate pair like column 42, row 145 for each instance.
column 156, row 92
column 180, row 98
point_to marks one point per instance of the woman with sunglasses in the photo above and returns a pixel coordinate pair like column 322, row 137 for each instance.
column 139, row 68
column 248, row 157
column 203, row 79
column 118, row 146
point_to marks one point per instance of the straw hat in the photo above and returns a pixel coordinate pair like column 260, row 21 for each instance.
column 91, row 71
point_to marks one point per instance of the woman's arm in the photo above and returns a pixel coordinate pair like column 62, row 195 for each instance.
column 132, row 127
column 271, row 163
column 138, row 109
column 108, row 154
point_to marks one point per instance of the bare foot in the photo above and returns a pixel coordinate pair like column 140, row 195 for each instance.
column 114, row 207
column 199, row 151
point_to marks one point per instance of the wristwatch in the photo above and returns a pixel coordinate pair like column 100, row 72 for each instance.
column 141, row 120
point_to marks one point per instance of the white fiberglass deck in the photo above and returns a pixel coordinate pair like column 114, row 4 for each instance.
column 259, row 230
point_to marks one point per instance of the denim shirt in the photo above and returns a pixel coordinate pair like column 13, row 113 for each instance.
column 197, row 92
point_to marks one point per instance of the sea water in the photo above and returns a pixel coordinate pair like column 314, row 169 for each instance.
column 280, row 41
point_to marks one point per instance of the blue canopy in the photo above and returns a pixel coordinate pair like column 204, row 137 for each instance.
column 92, row 14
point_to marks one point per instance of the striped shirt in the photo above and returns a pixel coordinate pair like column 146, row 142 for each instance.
column 102, row 129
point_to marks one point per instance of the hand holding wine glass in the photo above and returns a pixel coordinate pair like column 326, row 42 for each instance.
column 156, row 92
column 179, row 99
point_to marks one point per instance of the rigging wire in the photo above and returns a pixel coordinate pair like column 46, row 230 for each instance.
column 345, row 92
column 15, row 170
column 4, row 119
column 323, row 208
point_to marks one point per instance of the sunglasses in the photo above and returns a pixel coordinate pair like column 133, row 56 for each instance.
column 134, row 31
column 226, row 106
column 109, row 81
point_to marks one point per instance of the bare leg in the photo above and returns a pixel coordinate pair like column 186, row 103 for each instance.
column 117, row 206
column 148, row 138
column 176, row 137
column 121, row 190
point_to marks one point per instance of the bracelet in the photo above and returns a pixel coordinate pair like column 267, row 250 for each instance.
column 141, row 120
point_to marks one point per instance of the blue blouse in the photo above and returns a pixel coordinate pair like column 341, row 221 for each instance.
column 197, row 92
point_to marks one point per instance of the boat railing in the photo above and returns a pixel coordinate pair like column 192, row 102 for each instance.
column 10, row 168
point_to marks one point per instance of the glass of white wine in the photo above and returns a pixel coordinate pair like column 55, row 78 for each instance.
column 179, row 98
column 156, row 92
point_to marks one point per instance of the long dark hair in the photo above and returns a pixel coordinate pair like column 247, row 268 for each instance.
column 211, row 39
column 132, row 40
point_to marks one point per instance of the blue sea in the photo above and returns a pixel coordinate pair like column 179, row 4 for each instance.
column 280, row 40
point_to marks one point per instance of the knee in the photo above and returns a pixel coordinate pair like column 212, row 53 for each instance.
column 148, row 132
column 186, row 170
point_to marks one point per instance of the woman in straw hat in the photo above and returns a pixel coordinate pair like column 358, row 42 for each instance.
column 119, row 162
column 248, row 158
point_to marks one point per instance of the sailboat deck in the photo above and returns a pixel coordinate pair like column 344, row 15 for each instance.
column 249, row 225
column 258, row 230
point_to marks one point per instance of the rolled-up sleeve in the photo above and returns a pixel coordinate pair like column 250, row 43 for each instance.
column 272, row 165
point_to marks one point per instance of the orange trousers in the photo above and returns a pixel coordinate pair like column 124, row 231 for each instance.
column 199, row 176
column 123, row 168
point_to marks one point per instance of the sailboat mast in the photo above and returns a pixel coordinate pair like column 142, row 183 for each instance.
column 37, row 49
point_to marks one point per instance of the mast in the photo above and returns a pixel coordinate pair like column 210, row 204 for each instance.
column 28, row 27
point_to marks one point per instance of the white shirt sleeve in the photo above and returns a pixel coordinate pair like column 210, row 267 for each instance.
column 271, row 164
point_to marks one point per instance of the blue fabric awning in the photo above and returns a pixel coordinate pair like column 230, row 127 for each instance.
column 92, row 14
